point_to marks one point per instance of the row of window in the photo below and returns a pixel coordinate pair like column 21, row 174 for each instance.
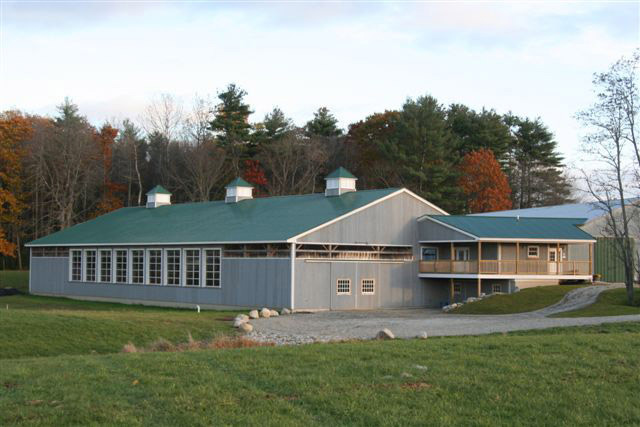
column 430, row 253
column 367, row 286
column 355, row 252
column 495, row 288
column 170, row 266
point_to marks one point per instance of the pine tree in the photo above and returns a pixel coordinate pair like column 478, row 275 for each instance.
column 231, row 117
column 323, row 124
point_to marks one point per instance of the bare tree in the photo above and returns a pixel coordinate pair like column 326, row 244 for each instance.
column 612, row 146
column 197, row 164
column 293, row 164
column 163, row 115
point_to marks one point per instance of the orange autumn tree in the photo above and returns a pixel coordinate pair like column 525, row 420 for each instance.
column 484, row 183
column 14, row 130
column 109, row 201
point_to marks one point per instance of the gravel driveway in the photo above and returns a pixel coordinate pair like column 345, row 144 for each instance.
column 339, row 325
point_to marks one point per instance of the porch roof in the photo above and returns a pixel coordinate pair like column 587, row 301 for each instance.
column 509, row 228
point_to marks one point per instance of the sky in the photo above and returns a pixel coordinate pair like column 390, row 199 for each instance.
column 535, row 58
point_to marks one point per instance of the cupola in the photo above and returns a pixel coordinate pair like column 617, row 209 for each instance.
column 340, row 181
column 237, row 190
column 158, row 196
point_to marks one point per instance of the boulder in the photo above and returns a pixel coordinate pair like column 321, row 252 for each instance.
column 242, row 317
column 253, row 314
column 471, row 299
column 246, row 327
column 274, row 313
column 285, row 311
column 423, row 335
column 265, row 312
column 385, row 334
column 239, row 322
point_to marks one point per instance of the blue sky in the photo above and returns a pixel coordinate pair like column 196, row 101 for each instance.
column 112, row 58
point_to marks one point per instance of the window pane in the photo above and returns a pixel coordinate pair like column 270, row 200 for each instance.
column 137, row 266
column 121, row 266
column 173, row 267
column 105, row 266
column 344, row 286
column 76, row 265
column 429, row 254
column 368, row 286
column 212, row 268
column 90, row 266
column 155, row 266
column 192, row 267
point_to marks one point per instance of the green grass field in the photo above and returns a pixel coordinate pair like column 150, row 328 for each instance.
column 15, row 279
column 610, row 303
column 61, row 363
column 520, row 302
column 45, row 326
column 577, row 376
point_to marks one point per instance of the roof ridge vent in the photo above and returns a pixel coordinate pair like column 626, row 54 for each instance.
column 238, row 190
column 158, row 196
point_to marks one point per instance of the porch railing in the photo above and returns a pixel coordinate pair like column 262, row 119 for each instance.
column 508, row 267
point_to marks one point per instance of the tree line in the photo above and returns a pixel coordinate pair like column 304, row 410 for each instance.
column 62, row 170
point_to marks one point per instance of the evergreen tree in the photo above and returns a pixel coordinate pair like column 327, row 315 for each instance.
column 476, row 131
column 274, row 126
column 323, row 124
column 535, row 168
column 231, row 117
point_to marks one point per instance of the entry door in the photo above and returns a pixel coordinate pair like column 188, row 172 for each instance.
column 462, row 254
column 553, row 260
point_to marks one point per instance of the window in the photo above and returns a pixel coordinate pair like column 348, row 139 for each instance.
column 212, row 268
column 496, row 287
column 429, row 254
column 121, row 265
column 533, row 251
column 137, row 266
column 49, row 252
column 344, row 287
column 192, row 267
column 173, row 266
column 105, row 265
column 76, row 265
column 462, row 254
column 90, row 265
column 368, row 286
column 154, row 276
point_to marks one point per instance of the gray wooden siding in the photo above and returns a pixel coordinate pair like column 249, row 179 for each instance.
column 429, row 230
column 392, row 221
column 246, row 282
column 396, row 285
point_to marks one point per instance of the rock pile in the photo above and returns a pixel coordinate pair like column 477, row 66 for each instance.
column 241, row 321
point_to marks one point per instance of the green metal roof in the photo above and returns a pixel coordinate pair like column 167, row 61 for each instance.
column 341, row 173
column 158, row 189
column 238, row 182
column 255, row 220
column 514, row 228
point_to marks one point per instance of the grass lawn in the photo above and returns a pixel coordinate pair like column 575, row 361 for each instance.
column 15, row 279
column 45, row 326
column 610, row 303
column 573, row 376
column 526, row 300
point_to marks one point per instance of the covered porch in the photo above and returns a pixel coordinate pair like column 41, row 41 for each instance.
column 504, row 259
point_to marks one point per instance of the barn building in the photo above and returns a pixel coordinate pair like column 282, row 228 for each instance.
column 338, row 250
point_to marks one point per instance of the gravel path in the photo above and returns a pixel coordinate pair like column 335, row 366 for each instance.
column 342, row 325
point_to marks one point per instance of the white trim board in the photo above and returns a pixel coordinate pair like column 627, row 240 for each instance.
column 504, row 276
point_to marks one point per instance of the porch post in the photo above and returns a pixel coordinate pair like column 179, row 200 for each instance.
column 557, row 257
column 479, row 286
column 451, row 264
column 451, row 293
column 479, row 256
column 591, row 259
column 517, row 256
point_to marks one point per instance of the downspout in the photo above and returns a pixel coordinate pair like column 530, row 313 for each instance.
column 293, row 274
